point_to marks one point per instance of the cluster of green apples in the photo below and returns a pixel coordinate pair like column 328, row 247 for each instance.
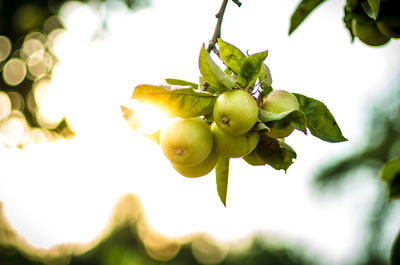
column 230, row 114
column 193, row 145
column 371, row 30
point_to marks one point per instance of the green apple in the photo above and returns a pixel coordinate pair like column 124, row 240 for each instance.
column 368, row 32
column 198, row 170
column 278, row 101
column 389, row 26
column 235, row 112
column 229, row 145
column 186, row 142
column 254, row 159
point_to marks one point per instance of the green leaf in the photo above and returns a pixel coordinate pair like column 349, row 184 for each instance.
column 266, row 90
column 371, row 8
column 250, row 69
column 352, row 4
column 260, row 127
column 304, row 8
column 231, row 56
column 320, row 121
column 228, row 71
column 390, row 173
column 206, row 86
column 179, row 82
column 293, row 118
column 265, row 79
column 184, row 102
column 222, row 173
column 212, row 74
column 347, row 20
column 275, row 152
column 395, row 252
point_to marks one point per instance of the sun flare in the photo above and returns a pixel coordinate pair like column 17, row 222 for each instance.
column 144, row 118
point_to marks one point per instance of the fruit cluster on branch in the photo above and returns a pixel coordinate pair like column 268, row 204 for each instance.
column 238, row 115
column 374, row 23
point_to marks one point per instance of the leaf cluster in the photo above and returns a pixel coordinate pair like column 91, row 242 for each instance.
column 246, row 72
column 306, row 7
column 368, row 12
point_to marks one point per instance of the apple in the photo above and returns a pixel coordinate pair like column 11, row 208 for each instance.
column 198, row 170
column 235, row 112
column 186, row 142
column 278, row 101
column 229, row 145
column 254, row 159
column 368, row 32
column 389, row 26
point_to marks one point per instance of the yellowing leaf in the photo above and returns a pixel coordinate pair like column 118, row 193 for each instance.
column 231, row 56
column 184, row 102
column 179, row 82
column 212, row 74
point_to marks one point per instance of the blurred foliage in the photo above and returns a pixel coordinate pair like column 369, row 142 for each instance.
column 374, row 22
column 395, row 258
column 303, row 9
column 382, row 138
column 20, row 19
column 390, row 173
column 383, row 145
column 124, row 247
column 129, row 240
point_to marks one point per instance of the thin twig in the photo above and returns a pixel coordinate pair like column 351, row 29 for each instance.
column 217, row 30
column 237, row 2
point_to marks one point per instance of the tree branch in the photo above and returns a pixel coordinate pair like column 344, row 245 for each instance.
column 217, row 30
column 237, row 2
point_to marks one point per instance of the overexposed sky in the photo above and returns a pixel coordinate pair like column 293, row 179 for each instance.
column 64, row 191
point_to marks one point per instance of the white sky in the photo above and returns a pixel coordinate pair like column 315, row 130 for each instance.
column 64, row 191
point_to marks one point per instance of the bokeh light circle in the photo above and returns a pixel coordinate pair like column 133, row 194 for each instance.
column 14, row 72
column 17, row 101
column 5, row 105
column 32, row 46
column 5, row 47
column 14, row 130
